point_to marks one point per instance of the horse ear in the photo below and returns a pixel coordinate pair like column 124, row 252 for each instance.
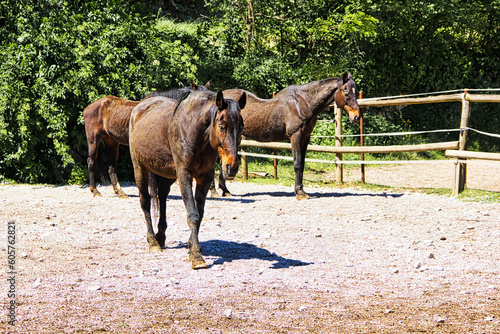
column 243, row 100
column 346, row 76
column 207, row 84
column 220, row 100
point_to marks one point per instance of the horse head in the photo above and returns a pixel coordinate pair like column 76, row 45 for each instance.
column 227, row 126
column 345, row 97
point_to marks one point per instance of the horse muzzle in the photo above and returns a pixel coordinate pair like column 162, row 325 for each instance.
column 229, row 171
column 229, row 164
column 354, row 114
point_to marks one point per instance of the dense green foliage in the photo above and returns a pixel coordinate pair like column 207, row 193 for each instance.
column 56, row 57
column 431, row 46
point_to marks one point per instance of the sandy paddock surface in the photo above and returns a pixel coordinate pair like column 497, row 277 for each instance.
column 344, row 261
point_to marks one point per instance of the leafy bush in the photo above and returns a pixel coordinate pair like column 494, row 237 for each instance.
column 56, row 58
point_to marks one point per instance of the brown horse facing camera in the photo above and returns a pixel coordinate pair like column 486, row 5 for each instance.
column 107, row 119
column 181, row 140
column 292, row 114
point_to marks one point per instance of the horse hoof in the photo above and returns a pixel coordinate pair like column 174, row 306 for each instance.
column 154, row 248
column 227, row 194
column 199, row 264
column 95, row 192
column 123, row 196
column 161, row 240
column 197, row 261
column 214, row 194
column 302, row 196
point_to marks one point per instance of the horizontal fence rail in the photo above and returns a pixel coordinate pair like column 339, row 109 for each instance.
column 379, row 102
column 357, row 149
column 472, row 155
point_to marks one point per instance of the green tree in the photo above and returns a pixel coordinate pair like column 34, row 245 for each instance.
column 279, row 43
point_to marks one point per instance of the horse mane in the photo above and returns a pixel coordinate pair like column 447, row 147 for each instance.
column 178, row 94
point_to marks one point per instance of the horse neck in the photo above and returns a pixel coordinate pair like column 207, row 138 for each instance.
column 320, row 94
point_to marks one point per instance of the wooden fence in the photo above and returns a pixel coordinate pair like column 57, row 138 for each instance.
column 454, row 149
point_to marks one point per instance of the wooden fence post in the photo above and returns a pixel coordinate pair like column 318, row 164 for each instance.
column 460, row 181
column 362, row 140
column 244, row 166
column 275, row 164
column 338, row 142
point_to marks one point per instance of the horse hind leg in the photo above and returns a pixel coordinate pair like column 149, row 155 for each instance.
column 93, row 144
column 160, row 189
column 141, row 179
column 112, row 152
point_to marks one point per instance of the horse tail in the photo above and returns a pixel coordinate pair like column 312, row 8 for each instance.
column 155, row 200
column 102, row 170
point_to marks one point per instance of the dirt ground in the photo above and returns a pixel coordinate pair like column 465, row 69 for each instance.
column 345, row 261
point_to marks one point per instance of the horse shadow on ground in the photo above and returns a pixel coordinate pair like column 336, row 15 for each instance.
column 208, row 198
column 228, row 251
column 322, row 195
column 234, row 198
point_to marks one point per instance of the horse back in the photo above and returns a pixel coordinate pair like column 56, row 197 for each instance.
column 109, row 117
column 264, row 120
column 116, row 115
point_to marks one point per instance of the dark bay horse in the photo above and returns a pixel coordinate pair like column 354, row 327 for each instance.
column 181, row 140
column 292, row 114
column 107, row 119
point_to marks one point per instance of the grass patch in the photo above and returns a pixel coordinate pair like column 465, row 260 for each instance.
column 468, row 195
column 482, row 196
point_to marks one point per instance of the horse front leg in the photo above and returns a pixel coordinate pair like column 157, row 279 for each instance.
column 193, row 219
column 213, row 191
column 202, row 187
column 299, row 148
